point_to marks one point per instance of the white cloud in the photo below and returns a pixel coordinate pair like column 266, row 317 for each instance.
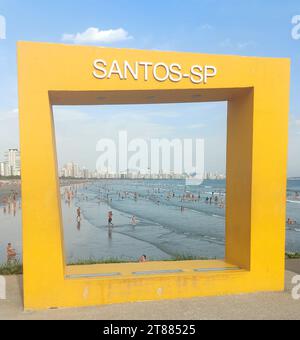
column 298, row 122
column 94, row 35
column 243, row 45
column 228, row 43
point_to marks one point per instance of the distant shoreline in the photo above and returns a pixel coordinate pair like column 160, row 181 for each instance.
column 9, row 179
column 9, row 186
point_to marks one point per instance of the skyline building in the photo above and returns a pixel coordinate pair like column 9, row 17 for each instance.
column 11, row 166
column 73, row 170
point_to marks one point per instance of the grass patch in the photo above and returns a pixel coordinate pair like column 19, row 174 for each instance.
column 93, row 261
column 11, row 269
column 177, row 258
column 17, row 268
column 293, row 256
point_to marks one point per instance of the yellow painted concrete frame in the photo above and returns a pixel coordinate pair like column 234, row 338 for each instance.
column 257, row 91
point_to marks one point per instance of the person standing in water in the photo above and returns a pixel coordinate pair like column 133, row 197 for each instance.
column 110, row 219
column 134, row 221
column 78, row 215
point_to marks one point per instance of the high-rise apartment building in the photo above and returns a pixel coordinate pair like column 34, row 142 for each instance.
column 11, row 165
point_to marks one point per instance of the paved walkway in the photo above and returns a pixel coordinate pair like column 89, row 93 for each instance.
column 293, row 266
column 279, row 306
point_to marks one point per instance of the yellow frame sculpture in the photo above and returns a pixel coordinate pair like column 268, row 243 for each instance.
column 257, row 91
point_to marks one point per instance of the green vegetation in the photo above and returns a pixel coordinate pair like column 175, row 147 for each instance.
column 17, row 268
column 176, row 258
column 93, row 262
column 292, row 256
column 11, row 269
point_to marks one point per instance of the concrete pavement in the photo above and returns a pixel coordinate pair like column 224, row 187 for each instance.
column 262, row 306
column 293, row 266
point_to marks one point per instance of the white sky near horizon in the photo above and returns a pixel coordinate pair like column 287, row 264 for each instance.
column 78, row 129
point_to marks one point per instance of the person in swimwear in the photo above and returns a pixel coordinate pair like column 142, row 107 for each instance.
column 143, row 259
column 133, row 221
column 78, row 215
column 110, row 219
column 11, row 253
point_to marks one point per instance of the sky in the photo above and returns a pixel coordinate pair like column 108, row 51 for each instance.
column 79, row 129
column 250, row 28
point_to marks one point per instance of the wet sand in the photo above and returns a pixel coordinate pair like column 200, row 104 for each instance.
column 163, row 230
column 7, row 188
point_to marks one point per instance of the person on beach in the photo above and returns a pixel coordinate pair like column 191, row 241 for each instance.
column 291, row 222
column 78, row 215
column 143, row 259
column 11, row 253
column 222, row 204
column 14, row 208
column 110, row 219
column 110, row 233
column 133, row 221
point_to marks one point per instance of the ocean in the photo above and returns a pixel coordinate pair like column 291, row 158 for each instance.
column 171, row 220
